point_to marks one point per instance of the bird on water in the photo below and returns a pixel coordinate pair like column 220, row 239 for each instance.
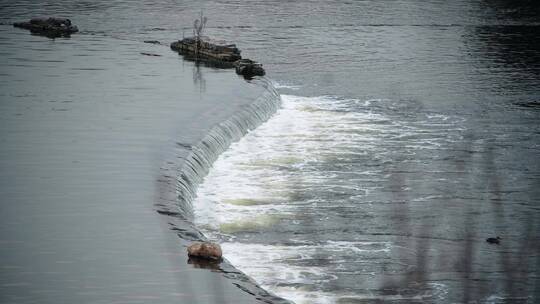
column 495, row 240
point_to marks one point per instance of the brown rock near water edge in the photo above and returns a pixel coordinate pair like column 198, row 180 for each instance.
column 205, row 250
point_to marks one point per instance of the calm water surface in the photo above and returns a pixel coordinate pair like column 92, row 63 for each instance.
column 90, row 132
column 409, row 133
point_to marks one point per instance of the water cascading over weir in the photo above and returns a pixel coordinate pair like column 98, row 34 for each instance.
column 218, row 139
column 179, row 179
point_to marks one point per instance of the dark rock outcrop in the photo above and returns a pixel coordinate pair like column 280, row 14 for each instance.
column 206, row 48
column 51, row 27
column 248, row 68
column 205, row 250
column 219, row 53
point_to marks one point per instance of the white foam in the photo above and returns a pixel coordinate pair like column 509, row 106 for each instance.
column 249, row 189
column 279, row 85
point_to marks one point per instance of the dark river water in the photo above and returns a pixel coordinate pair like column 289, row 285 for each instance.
column 409, row 133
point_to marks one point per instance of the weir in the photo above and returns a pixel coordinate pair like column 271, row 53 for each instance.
column 195, row 162
column 83, row 222
column 218, row 139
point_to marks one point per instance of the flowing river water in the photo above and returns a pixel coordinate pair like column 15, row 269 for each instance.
column 408, row 133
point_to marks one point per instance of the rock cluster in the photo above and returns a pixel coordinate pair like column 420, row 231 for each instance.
column 51, row 27
column 218, row 52
column 205, row 250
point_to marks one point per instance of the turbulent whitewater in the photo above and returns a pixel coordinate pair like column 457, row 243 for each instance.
column 338, row 200
column 297, row 202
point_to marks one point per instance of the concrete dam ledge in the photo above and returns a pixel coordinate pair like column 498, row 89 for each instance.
column 197, row 159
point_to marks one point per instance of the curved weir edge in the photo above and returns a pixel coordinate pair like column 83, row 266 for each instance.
column 191, row 170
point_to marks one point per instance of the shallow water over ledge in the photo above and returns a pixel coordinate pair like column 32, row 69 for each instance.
column 88, row 126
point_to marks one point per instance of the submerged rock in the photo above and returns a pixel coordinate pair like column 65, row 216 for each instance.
column 152, row 41
column 150, row 54
column 495, row 240
column 248, row 68
column 528, row 104
column 51, row 27
column 205, row 250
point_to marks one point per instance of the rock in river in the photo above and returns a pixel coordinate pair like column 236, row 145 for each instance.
column 205, row 250
column 248, row 68
column 51, row 27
